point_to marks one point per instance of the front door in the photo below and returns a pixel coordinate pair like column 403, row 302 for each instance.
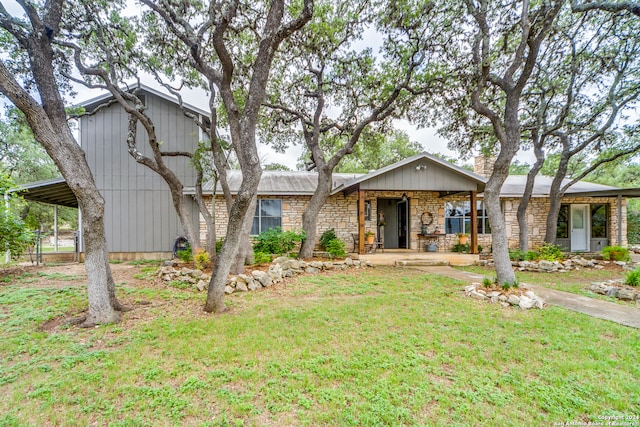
column 579, row 228
column 403, row 224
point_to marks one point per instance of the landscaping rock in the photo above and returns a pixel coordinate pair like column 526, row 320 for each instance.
column 241, row 287
column 513, row 300
column 626, row 294
column 262, row 277
column 477, row 295
column 526, row 303
column 545, row 265
column 201, row 285
column 312, row 270
column 228, row 290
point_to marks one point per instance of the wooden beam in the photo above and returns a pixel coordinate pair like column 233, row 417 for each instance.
column 360, row 221
column 474, row 222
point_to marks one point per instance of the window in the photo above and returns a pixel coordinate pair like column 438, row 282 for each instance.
column 599, row 224
column 562, row 232
column 268, row 215
column 457, row 217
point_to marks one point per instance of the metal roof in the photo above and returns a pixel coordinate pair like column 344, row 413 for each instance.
column 52, row 191
column 100, row 99
column 514, row 187
column 278, row 183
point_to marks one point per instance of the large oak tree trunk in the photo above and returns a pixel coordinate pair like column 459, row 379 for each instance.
column 310, row 215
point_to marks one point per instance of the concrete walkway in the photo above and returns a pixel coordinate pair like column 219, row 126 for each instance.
column 622, row 314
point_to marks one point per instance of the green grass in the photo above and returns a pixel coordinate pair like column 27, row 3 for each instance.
column 373, row 347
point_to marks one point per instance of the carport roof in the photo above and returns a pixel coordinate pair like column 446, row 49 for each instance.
column 52, row 191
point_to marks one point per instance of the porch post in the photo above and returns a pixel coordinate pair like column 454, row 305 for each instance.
column 619, row 220
column 474, row 223
column 360, row 221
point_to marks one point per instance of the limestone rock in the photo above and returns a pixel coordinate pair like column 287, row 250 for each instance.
column 513, row 300
column 228, row 290
column 262, row 277
column 626, row 294
column 477, row 295
column 201, row 285
column 312, row 270
column 241, row 286
column 526, row 302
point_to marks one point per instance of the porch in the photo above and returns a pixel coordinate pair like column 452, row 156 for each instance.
column 411, row 257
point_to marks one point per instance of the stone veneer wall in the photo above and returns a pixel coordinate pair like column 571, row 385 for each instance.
column 340, row 213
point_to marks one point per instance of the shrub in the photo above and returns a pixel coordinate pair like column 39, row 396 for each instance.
column 633, row 278
column 458, row 247
column 532, row 256
column 327, row 237
column 185, row 255
column 202, row 259
column 516, row 255
column 261, row 258
column 615, row 253
column 550, row 252
column 276, row 241
column 336, row 248
column 219, row 244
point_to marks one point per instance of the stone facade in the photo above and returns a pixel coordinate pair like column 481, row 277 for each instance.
column 340, row 213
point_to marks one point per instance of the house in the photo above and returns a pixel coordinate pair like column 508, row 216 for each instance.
column 420, row 200
column 424, row 199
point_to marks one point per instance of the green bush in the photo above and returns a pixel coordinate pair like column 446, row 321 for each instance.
column 336, row 248
column 202, row 259
column 261, row 258
column 219, row 244
column 276, row 241
column 517, row 255
column 550, row 252
column 532, row 256
column 615, row 253
column 185, row 255
column 633, row 278
column 327, row 237
column 458, row 247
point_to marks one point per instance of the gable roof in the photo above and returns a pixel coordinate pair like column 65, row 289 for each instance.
column 466, row 175
column 92, row 103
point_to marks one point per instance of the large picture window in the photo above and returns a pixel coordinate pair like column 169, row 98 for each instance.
column 457, row 217
column 268, row 215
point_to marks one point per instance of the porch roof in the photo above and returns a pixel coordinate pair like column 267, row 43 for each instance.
column 422, row 172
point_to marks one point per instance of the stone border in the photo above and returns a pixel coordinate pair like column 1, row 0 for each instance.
column 279, row 269
column 525, row 301
column 616, row 289
column 574, row 263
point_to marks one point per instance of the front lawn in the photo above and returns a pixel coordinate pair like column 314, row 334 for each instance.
column 380, row 346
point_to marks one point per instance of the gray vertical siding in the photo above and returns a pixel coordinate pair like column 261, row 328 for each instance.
column 435, row 177
column 139, row 213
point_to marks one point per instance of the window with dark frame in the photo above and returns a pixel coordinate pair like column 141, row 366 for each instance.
column 599, row 221
column 268, row 215
column 562, row 231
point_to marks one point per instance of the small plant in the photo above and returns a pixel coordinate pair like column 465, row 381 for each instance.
column 459, row 247
column 516, row 255
column 506, row 286
column 480, row 248
column 486, row 282
column 261, row 258
column 277, row 242
column 202, row 259
column 633, row 278
column 369, row 234
column 549, row 252
column 185, row 255
column 532, row 256
column 327, row 237
column 219, row 244
column 615, row 253
column 336, row 248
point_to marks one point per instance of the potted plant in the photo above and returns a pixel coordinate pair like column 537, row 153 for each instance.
column 463, row 237
column 369, row 236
